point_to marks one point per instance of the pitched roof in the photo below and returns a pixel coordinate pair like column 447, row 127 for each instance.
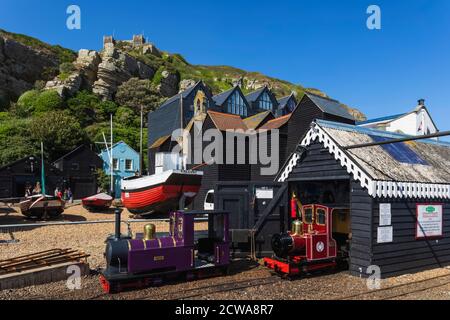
column 69, row 153
column 418, row 168
column 225, row 121
column 330, row 106
column 254, row 121
column 120, row 142
column 277, row 122
column 184, row 93
column 220, row 98
column 160, row 141
column 253, row 96
column 284, row 100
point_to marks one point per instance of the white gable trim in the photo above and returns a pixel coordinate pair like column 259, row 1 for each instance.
column 375, row 188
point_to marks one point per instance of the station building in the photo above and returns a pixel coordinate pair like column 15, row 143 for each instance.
column 395, row 198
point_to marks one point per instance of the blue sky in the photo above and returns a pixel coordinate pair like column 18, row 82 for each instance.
column 321, row 44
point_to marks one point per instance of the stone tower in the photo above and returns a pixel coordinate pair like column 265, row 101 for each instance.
column 107, row 40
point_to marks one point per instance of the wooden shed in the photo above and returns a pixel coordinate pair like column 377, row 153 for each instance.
column 397, row 195
column 16, row 176
column 79, row 169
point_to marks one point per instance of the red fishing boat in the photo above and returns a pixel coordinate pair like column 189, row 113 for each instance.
column 99, row 201
column 161, row 192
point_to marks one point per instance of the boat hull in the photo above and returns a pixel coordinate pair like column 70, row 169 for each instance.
column 159, row 195
column 97, row 202
column 42, row 207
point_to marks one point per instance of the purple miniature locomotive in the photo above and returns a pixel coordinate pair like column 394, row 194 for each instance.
column 148, row 259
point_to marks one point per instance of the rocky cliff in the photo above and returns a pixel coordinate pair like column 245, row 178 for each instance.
column 22, row 64
column 25, row 60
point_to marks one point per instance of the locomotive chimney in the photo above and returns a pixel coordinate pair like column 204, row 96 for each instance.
column 149, row 231
column 117, row 212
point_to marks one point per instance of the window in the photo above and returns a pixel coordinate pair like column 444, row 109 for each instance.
column 265, row 102
column 308, row 219
column 75, row 166
column 236, row 104
column 128, row 164
column 290, row 106
column 116, row 164
column 320, row 216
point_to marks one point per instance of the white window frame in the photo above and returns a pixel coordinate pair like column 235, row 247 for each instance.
column 131, row 167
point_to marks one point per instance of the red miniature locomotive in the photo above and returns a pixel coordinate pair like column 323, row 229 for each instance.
column 308, row 246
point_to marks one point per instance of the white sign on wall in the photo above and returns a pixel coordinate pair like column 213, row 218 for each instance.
column 385, row 214
column 429, row 220
column 385, row 234
column 263, row 193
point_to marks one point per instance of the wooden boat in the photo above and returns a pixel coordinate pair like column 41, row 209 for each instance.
column 161, row 192
column 42, row 206
column 99, row 201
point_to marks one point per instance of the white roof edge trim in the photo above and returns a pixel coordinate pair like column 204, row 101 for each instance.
column 375, row 188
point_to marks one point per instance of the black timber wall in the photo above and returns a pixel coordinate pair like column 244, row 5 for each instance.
column 406, row 254
column 361, row 224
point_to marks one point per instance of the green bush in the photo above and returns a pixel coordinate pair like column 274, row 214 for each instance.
column 47, row 100
column 26, row 103
column 125, row 116
column 59, row 131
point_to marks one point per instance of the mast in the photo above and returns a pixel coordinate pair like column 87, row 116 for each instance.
column 141, row 141
column 111, row 162
column 42, row 169
column 181, row 127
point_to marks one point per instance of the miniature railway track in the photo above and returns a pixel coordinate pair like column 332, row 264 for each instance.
column 225, row 287
column 40, row 259
column 402, row 290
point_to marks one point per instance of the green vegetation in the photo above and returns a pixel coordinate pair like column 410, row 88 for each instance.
column 63, row 54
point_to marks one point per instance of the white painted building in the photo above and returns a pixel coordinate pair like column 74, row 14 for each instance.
column 417, row 122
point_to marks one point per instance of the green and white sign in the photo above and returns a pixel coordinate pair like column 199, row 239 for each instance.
column 429, row 220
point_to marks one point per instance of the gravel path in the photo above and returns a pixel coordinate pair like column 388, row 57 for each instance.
column 251, row 280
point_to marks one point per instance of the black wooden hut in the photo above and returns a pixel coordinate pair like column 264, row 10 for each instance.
column 215, row 172
column 79, row 168
column 16, row 176
column 397, row 196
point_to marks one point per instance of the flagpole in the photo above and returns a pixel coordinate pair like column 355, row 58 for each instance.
column 42, row 169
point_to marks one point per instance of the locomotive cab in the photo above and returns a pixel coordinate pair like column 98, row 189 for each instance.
column 308, row 246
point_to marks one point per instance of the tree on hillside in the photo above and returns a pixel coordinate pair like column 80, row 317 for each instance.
column 59, row 131
column 136, row 93
column 36, row 101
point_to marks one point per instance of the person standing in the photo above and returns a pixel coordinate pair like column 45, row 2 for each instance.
column 37, row 188
column 70, row 195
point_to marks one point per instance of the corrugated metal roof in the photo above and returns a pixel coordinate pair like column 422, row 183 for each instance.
column 225, row 121
column 254, row 121
column 330, row 106
column 380, row 164
column 277, row 122
column 381, row 119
